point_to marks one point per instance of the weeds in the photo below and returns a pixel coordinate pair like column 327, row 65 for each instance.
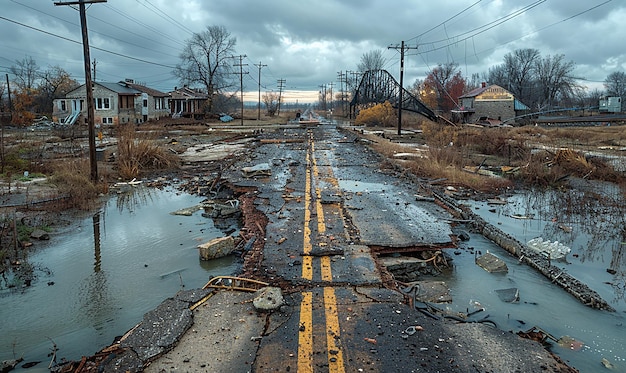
column 73, row 179
column 137, row 154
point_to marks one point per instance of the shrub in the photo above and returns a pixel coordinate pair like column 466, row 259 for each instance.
column 137, row 154
column 382, row 115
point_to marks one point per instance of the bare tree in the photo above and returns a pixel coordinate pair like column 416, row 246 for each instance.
column 271, row 101
column 26, row 73
column 55, row 83
column 372, row 60
column 206, row 60
column 554, row 78
column 520, row 67
column 615, row 84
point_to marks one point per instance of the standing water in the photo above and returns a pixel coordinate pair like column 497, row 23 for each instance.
column 96, row 281
column 591, row 224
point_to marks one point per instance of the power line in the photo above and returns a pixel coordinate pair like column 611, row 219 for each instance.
column 446, row 21
column 92, row 47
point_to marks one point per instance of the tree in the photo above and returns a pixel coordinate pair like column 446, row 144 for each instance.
column 615, row 84
column 26, row 73
column 520, row 69
column 446, row 82
column 271, row 101
column 55, row 83
column 554, row 79
column 372, row 60
column 205, row 61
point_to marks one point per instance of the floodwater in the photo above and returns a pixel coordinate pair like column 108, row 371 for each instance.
column 591, row 224
column 96, row 281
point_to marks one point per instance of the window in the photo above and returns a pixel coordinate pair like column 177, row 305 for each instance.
column 145, row 102
column 63, row 105
column 107, row 120
column 103, row 103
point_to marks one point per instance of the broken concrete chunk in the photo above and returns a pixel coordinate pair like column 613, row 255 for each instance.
column 188, row 211
column 217, row 248
column 491, row 263
column 39, row 234
column 261, row 169
column 268, row 298
column 510, row 295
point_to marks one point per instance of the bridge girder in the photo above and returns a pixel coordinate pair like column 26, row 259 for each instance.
column 378, row 86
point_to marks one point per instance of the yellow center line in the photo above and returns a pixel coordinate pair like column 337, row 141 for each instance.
column 307, row 260
column 335, row 354
column 305, row 334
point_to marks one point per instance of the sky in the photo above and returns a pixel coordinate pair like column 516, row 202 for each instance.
column 310, row 43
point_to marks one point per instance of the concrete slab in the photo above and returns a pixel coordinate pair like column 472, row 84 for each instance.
column 222, row 339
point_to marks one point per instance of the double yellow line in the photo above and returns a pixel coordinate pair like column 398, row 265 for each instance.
column 305, row 335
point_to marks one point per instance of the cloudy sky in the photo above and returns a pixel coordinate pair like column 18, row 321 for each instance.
column 308, row 43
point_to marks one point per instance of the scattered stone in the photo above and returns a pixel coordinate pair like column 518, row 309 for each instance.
column 40, row 234
column 217, row 248
column 262, row 169
column 268, row 299
column 188, row 211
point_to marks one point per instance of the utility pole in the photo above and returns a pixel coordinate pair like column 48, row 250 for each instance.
column 241, row 65
column 331, row 84
column 260, row 66
column 340, row 76
column 402, row 49
column 281, row 85
column 88, row 84
column 2, row 124
column 323, row 96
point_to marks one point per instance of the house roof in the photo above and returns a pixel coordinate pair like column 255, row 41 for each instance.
column 475, row 92
column 150, row 91
column 118, row 88
column 188, row 93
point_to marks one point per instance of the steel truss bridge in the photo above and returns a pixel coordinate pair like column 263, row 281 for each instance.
column 378, row 86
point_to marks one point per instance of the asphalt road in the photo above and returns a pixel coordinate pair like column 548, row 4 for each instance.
column 328, row 203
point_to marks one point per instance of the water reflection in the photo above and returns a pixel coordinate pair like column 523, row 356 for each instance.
column 106, row 272
column 96, row 242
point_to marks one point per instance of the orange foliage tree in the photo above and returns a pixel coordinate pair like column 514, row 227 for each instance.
column 378, row 115
column 444, row 84
column 22, row 104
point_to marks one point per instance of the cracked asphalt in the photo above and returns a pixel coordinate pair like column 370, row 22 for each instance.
column 327, row 204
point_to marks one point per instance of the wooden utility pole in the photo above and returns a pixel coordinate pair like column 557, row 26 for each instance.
column 281, row 85
column 260, row 66
column 88, row 83
column 241, row 65
column 402, row 49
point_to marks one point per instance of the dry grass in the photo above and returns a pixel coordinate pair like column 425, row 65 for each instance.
column 73, row 179
column 452, row 148
column 140, row 152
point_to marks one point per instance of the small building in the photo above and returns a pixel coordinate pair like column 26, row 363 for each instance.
column 114, row 103
column 490, row 104
column 610, row 104
column 187, row 102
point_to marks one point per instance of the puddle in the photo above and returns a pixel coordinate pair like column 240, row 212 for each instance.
column 103, row 277
column 595, row 236
column 356, row 186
